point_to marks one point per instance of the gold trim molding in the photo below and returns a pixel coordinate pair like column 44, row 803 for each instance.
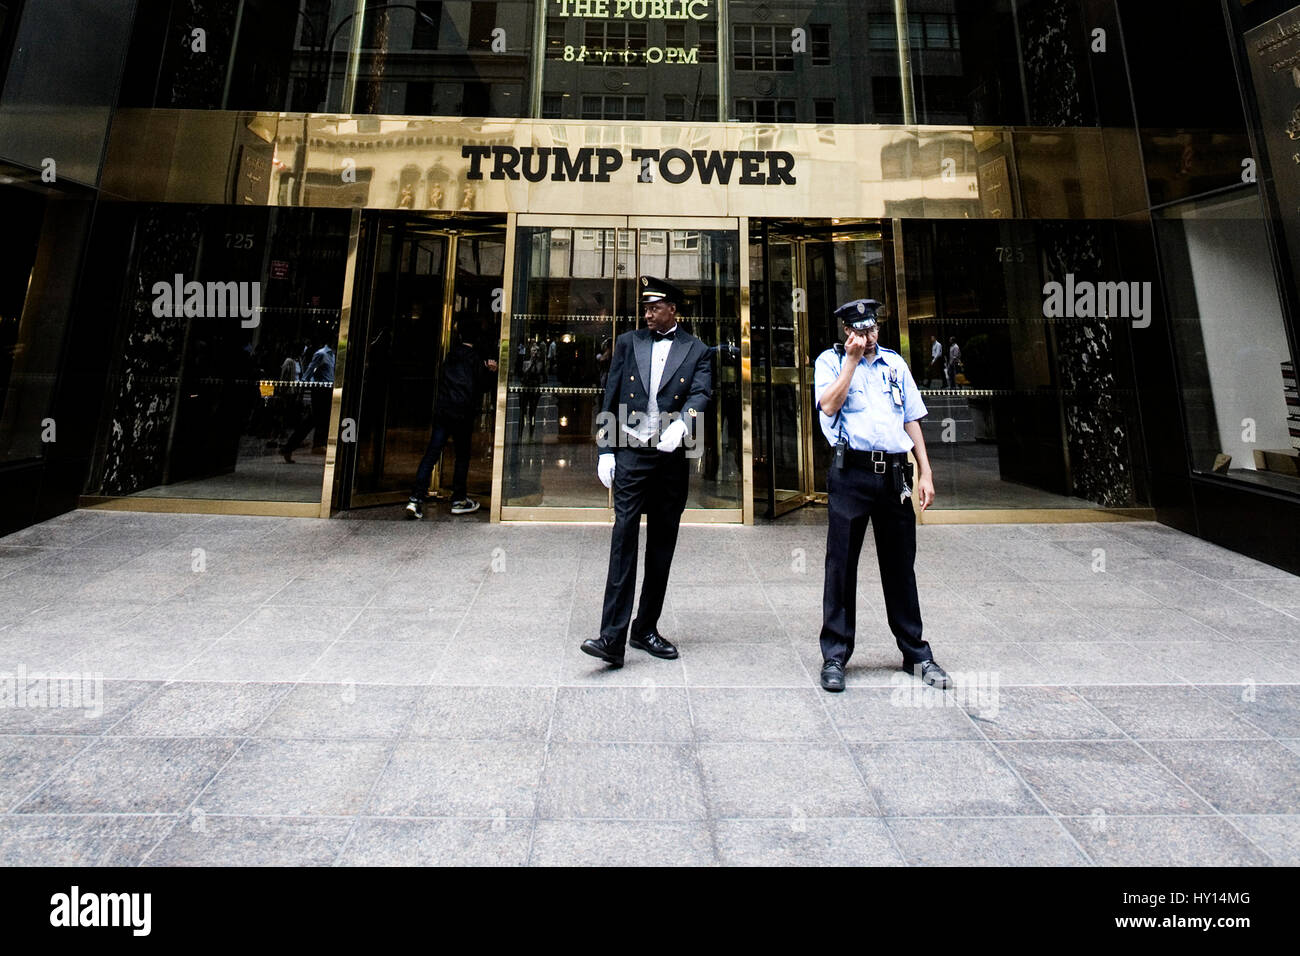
column 204, row 506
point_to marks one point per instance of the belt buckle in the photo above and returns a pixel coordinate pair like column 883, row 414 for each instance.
column 878, row 462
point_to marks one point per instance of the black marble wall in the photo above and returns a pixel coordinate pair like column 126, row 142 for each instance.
column 143, row 388
column 1055, row 48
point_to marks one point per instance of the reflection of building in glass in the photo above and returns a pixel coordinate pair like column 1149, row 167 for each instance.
column 391, row 174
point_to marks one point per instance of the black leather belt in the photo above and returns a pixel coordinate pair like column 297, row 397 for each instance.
column 874, row 461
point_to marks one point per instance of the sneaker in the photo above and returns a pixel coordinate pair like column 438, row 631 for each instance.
column 414, row 510
column 464, row 506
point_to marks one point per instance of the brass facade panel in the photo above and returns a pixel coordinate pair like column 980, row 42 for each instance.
column 1037, row 516
column 605, row 516
column 795, row 170
column 503, row 372
column 340, row 366
column 746, row 384
column 204, row 506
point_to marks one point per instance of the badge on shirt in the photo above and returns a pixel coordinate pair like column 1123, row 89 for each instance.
column 895, row 388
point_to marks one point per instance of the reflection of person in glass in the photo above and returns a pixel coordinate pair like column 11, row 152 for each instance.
column 531, row 374
column 660, row 383
column 871, row 413
column 319, row 374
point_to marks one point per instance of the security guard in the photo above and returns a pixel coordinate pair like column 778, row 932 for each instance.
column 870, row 412
column 660, row 382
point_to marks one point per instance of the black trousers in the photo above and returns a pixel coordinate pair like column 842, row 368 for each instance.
column 460, row 431
column 858, row 496
column 317, row 421
column 654, row 483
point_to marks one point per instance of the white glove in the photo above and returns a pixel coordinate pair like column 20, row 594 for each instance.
column 672, row 436
column 605, row 470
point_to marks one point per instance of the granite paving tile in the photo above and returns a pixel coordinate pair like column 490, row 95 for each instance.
column 1018, row 841
column 272, row 777
column 1108, row 776
column 456, row 778
column 1246, row 776
column 207, row 839
column 132, row 775
column 78, row 840
column 949, row 778
column 806, row 841
column 1164, row 841
column 629, row 781
column 384, row 842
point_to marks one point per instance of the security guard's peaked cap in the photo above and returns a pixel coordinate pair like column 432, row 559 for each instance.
column 660, row 290
column 859, row 315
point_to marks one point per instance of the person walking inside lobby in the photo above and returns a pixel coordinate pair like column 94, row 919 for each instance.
column 465, row 376
column 870, row 411
column 660, row 382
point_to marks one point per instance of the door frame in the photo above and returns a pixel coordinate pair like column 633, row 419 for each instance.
column 739, row 226
column 369, row 248
column 801, row 376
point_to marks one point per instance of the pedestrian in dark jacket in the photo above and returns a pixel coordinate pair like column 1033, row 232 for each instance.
column 465, row 376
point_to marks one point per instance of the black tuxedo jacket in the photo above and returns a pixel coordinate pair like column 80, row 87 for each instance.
column 686, row 386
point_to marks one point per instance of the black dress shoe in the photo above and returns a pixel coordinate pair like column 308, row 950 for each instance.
column 833, row 676
column 607, row 651
column 656, row 644
column 931, row 673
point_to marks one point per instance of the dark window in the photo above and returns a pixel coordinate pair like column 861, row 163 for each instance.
column 419, row 99
column 708, row 109
column 427, row 21
column 887, row 96
column 555, row 39
column 821, row 44
column 708, row 43
column 552, row 106
column 675, row 35
column 482, row 21
column 926, row 31
column 765, row 111
column 615, row 41
column 881, row 33
column 761, row 48
column 824, row 111
column 477, row 100
column 613, row 107
column 315, row 23
column 674, row 108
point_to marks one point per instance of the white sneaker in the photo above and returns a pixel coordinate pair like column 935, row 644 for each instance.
column 414, row 510
column 465, row 506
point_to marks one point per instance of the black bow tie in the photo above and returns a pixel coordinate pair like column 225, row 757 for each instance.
column 665, row 336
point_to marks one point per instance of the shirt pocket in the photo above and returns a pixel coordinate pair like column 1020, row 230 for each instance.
column 856, row 399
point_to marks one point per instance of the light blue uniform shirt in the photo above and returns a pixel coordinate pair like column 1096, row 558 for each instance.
column 870, row 419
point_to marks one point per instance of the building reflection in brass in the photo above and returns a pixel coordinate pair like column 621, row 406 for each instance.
column 591, row 167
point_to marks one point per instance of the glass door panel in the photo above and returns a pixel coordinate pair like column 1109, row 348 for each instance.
column 416, row 307
column 839, row 269
column 401, row 353
column 574, row 294
column 786, row 374
column 566, row 316
column 705, row 265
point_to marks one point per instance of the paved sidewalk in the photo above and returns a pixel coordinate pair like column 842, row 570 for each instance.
column 298, row 692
